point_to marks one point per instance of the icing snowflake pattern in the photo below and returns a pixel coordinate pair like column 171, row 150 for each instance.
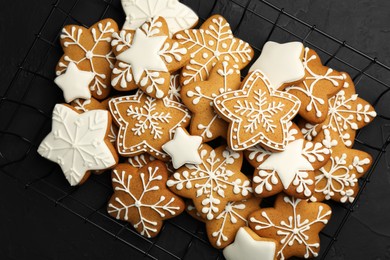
column 209, row 183
column 292, row 231
column 174, row 88
column 140, row 197
column 96, row 57
column 213, row 42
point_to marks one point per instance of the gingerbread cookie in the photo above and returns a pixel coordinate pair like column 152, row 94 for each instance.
column 141, row 160
column 249, row 246
column 141, row 197
column 257, row 114
column 178, row 16
column 199, row 96
column 281, row 63
column 79, row 143
column 291, row 170
column 146, row 57
column 174, row 87
column 214, row 182
column 87, row 61
column 212, row 42
column 319, row 84
column 146, row 123
column 347, row 113
column 338, row 179
column 294, row 223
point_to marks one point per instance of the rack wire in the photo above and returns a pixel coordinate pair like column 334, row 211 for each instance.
column 31, row 96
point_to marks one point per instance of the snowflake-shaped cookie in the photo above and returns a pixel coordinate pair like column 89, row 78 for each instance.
column 294, row 223
column 199, row 97
column 347, row 113
column 214, row 182
column 146, row 123
column 319, row 84
column 338, row 179
column 291, row 170
column 90, row 50
column 212, row 42
column 141, row 197
column 257, row 113
column 177, row 15
column 146, row 57
column 79, row 142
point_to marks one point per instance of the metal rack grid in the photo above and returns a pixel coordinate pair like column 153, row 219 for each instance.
column 31, row 95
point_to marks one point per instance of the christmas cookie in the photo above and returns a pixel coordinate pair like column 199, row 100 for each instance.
column 174, row 87
column 212, row 42
column 291, row 170
column 338, row 179
column 146, row 123
column 214, row 182
column 294, row 224
column 257, row 114
column 146, row 57
column 199, row 97
column 347, row 113
column 319, row 84
column 87, row 61
column 249, row 246
column 141, row 160
column 177, row 15
column 141, row 197
column 281, row 63
column 79, row 143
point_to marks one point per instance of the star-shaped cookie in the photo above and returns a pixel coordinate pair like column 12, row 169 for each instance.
column 90, row 50
column 198, row 97
column 281, row 63
column 257, row 114
column 212, row 42
column 141, row 197
column 291, row 170
column 146, row 57
column 146, row 123
column 79, row 142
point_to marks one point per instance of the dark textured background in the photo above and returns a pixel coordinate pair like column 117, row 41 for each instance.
column 31, row 228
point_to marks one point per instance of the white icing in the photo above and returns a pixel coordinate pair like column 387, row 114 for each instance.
column 76, row 142
column 245, row 247
column 281, row 63
column 174, row 88
column 183, row 148
column 177, row 15
column 75, row 83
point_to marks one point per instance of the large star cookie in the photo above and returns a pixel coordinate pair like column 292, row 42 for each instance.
column 141, row 197
column 214, row 182
column 79, row 142
column 257, row 114
column 294, row 224
column 146, row 57
column 199, row 97
column 146, row 123
column 291, row 170
column 212, row 42
column 90, row 50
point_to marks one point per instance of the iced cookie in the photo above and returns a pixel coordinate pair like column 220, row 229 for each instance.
column 141, row 160
column 294, row 224
column 146, row 123
column 174, row 87
column 146, row 57
column 87, row 61
column 141, row 197
column 199, row 96
column 212, row 42
column 79, row 142
column 319, row 84
column 214, row 182
column 291, row 170
column 257, row 114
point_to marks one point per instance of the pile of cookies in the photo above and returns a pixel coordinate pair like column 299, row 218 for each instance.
column 164, row 107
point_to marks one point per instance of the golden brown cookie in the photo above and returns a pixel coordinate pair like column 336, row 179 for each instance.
column 141, row 197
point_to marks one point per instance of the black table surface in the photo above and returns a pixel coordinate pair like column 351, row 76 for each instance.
column 31, row 228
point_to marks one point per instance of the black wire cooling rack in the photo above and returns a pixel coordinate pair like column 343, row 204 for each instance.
column 30, row 97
